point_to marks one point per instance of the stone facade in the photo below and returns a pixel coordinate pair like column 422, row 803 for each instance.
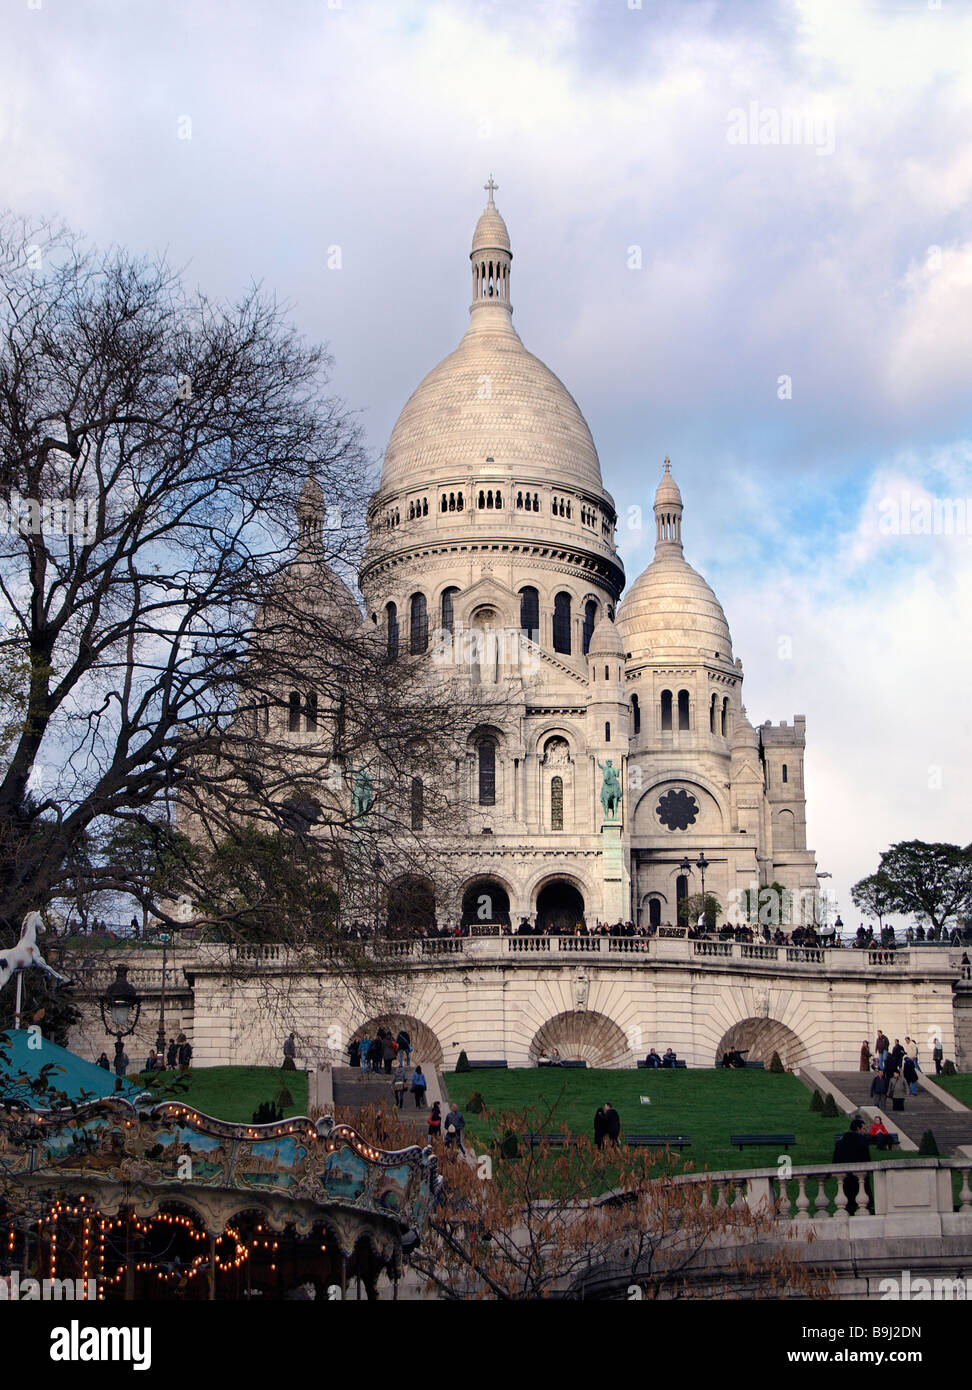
column 492, row 545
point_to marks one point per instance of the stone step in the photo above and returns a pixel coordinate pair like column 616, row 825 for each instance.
column 951, row 1128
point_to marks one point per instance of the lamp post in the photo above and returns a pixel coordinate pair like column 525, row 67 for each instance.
column 160, row 1040
column 120, row 1009
column 703, row 864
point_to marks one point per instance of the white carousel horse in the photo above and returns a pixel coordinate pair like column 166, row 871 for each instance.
column 26, row 952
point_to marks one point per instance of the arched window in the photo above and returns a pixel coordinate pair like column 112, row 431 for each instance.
column 418, row 639
column 445, row 503
column 683, row 709
column 310, row 712
column 654, row 912
column 391, row 627
column 712, row 713
column 487, row 772
column 636, row 714
column 725, row 717
column 681, row 888
column 590, row 619
column 561, row 624
column 294, row 712
column 557, row 803
column 607, row 732
column 666, row 709
column 417, row 803
column 459, row 502
column 784, row 773
column 530, row 613
column 448, row 618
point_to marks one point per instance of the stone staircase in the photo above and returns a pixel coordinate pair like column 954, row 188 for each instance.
column 952, row 1128
column 355, row 1087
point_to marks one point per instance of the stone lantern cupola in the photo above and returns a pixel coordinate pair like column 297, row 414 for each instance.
column 491, row 257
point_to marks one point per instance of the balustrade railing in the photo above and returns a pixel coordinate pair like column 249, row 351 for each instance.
column 579, row 943
column 712, row 948
column 628, row 945
column 447, row 946
column 518, row 944
column 806, row 953
column 751, row 952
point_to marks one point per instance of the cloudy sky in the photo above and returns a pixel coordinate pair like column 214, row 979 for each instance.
column 794, row 181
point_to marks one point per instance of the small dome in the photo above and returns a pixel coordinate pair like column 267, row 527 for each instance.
column 670, row 611
column 667, row 493
column 605, row 640
column 491, row 232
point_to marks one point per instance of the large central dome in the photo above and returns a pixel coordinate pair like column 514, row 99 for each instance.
column 490, row 399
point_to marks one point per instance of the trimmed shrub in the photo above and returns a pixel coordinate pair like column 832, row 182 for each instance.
column 948, row 1068
column 509, row 1145
column 462, row 1062
column 475, row 1104
column 928, row 1146
column 284, row 1099
column 830, row 1107
column 289, row 1064
column 776, row 1065
column 816, row 1101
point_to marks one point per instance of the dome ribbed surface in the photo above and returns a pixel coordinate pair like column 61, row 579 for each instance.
column 490, row 398
column 491, row 232
column 671, row 611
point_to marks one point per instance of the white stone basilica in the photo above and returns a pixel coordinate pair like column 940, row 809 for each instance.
column 492, row 543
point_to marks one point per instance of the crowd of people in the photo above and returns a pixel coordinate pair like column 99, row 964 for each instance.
column 896, row 1068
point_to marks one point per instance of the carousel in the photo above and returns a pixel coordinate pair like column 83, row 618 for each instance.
column 168, row 1203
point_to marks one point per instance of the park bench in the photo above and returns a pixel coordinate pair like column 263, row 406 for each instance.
column 758, row 1065
column 658, row 1141
column 765, row 1141
column 552, row 1140
column 894, row 1140
column 501, row 1065
column 643, row 1065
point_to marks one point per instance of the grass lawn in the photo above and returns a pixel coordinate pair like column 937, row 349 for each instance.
column 958, row 1086
column 233, row 1093
column 707, row 1105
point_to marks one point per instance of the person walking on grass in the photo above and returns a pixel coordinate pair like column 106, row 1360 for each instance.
column 612, row 1123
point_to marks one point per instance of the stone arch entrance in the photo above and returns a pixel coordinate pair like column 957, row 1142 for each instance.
column 759, row 1038
column 582, row 1036
column 560, row 906
column 426, row 1047
column 485, row 900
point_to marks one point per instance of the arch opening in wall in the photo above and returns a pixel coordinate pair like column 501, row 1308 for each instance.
column 561, row 624
column 418, row 625
column 785, row 831
column 759, row 1038
column 485, row 902
column 582, row 1035
column 530, row 612
column 683, row 709
column 560, row 906
column 426, row 1048
column 666, row 711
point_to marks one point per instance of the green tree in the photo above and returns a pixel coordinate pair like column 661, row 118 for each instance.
column 873, row 895
column 932, row 882
column 690, row 909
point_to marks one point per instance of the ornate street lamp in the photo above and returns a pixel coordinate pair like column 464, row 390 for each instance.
column 120, row 1009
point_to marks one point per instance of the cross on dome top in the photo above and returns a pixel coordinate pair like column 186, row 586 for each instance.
column 491, row 187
